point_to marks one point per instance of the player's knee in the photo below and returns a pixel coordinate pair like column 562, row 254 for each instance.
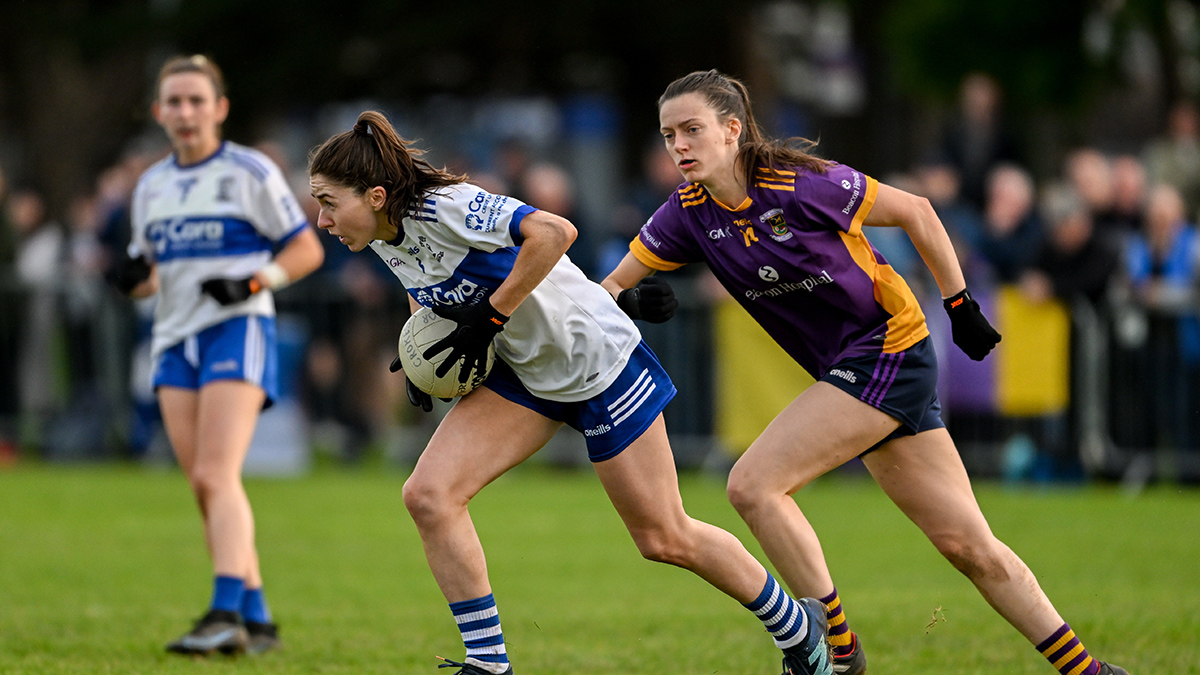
column 743, row 491
column 206, row 482
column 657, row 545
column 424, row 500
column 975, row 558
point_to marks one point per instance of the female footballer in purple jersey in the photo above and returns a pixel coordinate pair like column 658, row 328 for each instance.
column 782, row 231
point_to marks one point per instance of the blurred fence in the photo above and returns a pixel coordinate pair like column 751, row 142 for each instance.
column 1071, row 392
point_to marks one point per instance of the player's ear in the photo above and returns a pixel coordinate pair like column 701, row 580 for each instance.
column 734, row 130
column 377, row 197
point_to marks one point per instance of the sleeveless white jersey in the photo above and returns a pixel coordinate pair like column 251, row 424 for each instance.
column 223, row 217
column 566, row 342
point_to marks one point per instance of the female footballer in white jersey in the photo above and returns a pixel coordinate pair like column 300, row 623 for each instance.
column 206, row 221
column 566, row 354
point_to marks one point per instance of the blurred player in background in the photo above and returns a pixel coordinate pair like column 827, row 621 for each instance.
column 206, row 221
column 566, row 354
column 782, row 230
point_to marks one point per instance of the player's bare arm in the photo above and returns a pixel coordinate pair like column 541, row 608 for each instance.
column 915, row 215
column 546, row 238
column 626, row 275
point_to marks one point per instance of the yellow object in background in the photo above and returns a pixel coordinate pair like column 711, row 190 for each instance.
column 755, row 378
column 1033, row 359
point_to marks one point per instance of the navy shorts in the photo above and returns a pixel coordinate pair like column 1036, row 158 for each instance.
column 242, row 348
column 610, row 420
column 903, row 385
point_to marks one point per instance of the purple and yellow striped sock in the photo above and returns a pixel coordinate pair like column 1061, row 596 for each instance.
column 1065, row 652
column 840, row 637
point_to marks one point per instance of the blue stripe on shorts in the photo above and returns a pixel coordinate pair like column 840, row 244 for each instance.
column 612, row 419
column 902, row 384
column 241, row 348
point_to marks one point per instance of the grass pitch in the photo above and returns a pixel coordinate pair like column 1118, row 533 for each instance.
column 100, row 566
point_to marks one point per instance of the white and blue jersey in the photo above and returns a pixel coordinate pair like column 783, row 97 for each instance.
column 223, row 217
column 567, row 342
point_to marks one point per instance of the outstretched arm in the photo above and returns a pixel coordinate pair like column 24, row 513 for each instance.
column 915, row 215
column 627, row 274
column 969, row 327
column 641, row 296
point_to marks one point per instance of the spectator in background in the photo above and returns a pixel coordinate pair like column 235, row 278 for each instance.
column 1073, row 263
column 549, row 187
column 940, row 183
column 12, row 300
column 658, row 179
column 1012, row 231
column 1090, row 176
column 978, row 138
column 1174, row 159
column 1129, row 194
column 1163, row 268
column 40, row 270
column 114, row 193
column 1075, row 266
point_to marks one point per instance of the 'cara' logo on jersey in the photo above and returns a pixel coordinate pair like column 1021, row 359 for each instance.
column 779, row 228
column 452, row 292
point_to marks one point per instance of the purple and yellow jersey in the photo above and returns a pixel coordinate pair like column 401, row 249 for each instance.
column 795, row 256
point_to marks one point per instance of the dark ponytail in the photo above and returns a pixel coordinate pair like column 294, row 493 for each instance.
column 729, row 98
column 373, row 154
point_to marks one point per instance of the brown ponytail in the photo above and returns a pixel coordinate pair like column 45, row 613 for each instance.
column 373, row 154
column 729, row 98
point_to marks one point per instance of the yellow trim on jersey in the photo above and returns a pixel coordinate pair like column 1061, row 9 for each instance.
column 778, row 172
column 647, row 258
column 776, row 179
column 692, row 195
column 865, row 209
column 907, row 325
column 741, row 207
column 777, row 186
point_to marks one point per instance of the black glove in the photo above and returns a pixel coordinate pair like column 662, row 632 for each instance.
column 651, row 300
column 231, row 291
column 478, row 324
column 415, row 396
column 971, row 330
column 129, row 273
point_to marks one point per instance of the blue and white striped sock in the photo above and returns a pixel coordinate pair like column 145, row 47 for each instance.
column 479, row 623
column 784, row 619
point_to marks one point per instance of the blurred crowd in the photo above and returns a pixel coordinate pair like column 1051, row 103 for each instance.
column 1112, row 235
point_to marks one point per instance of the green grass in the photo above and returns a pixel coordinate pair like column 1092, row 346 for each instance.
column 100, row 566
